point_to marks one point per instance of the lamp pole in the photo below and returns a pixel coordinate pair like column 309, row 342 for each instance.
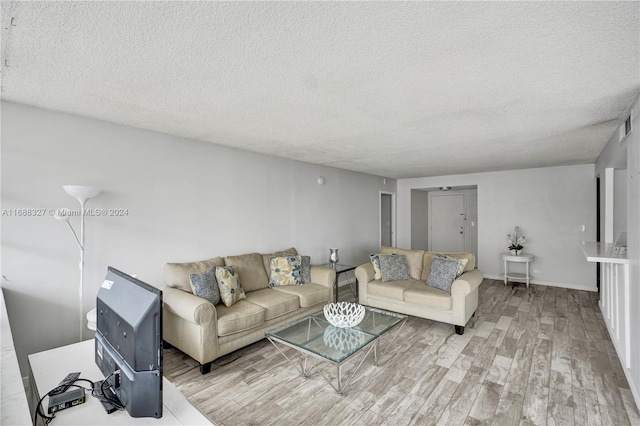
column 82, row 194
column 80, row 290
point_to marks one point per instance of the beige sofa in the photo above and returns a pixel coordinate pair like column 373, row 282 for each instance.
column 205, row 332
column 414, row 297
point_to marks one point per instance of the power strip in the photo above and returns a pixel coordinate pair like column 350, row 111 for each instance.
column 70, row 398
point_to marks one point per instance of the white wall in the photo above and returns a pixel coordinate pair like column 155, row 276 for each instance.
column 549, row 204
column 186, row 200
column 624, row 157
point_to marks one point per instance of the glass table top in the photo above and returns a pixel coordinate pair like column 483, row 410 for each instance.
column 338, row 267
column 315, row 334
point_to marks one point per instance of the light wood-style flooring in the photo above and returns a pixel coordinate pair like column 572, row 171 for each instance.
column 537, row 356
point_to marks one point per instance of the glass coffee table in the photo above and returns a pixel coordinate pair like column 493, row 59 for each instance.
column 314, row 337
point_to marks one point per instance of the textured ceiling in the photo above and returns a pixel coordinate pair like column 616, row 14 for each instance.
column 397, row 89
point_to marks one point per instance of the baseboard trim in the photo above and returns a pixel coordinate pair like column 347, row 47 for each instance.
column 549, row 284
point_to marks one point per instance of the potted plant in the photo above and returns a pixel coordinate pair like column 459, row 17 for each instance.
column 515, row 241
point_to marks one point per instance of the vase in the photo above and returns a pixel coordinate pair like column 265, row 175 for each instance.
column 515, row 252
column 333, row 255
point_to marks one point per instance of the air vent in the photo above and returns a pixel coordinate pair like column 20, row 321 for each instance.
column 627, row 125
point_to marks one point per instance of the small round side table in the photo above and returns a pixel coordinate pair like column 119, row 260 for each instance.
column 525, row 258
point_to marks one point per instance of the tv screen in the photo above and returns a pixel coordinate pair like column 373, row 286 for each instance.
column 128, row 343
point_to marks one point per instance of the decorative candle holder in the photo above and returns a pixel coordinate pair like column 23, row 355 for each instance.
column 333, row 255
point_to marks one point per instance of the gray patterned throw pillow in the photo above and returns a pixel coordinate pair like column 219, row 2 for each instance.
column 443, row 273
column 206, row 285
column 393, row 267
column 305, row 271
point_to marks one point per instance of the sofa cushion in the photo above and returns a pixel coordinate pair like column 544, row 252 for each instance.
column 266, row 256
column 250, row 269
column 420, row 294
column 177, row 274
column 309, row 294
column 443, row 273
column 428, row 257
column 206, row 286
column 415, row 259
column 391, row 289
column 274, row 303
column 393, row 267
column 229, row 284
column 285, row 270
column 239, row 317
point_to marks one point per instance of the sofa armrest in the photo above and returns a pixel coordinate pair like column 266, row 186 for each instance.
column 466, row 283
column 365, row 273
column 188, row 306
column 323, row 276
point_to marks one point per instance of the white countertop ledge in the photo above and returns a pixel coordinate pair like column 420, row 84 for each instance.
column 602, row 252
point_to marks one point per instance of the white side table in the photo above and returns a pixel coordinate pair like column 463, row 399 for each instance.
column 525, row 258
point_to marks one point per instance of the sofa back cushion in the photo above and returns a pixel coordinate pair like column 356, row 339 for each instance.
column 414, row 259
column 250, row 269
column 429, row 255
column 177, row 274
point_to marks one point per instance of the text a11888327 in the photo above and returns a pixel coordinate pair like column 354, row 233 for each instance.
column 51, row 212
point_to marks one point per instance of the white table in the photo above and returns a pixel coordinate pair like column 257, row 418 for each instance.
column 525, row 258
column 14, row 409
column 48, row 368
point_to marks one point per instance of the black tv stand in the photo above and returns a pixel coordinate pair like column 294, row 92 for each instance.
column 106, row 396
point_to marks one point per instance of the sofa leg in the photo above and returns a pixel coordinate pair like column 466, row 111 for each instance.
column 474, row 314
column 205, row 368
column 459, row 329
column 166, row 345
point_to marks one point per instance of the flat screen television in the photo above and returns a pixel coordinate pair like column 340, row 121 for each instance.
column 128, row 344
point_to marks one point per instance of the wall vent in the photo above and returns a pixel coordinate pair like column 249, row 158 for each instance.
column 627, row 125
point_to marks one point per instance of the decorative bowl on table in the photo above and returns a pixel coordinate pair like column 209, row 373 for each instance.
column 344, row 314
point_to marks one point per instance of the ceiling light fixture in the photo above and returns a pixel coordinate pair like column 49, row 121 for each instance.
column 445, row 188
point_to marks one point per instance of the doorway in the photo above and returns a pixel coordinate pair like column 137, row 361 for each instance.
column 445, row 220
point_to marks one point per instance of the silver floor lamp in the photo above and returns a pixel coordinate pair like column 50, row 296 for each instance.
column 82, row 194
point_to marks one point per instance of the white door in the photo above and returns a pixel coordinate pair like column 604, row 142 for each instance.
column 446, row 223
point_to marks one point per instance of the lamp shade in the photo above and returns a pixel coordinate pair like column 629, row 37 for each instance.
column 82, row 193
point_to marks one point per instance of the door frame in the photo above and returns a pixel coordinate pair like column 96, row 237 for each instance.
column 393, row 217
